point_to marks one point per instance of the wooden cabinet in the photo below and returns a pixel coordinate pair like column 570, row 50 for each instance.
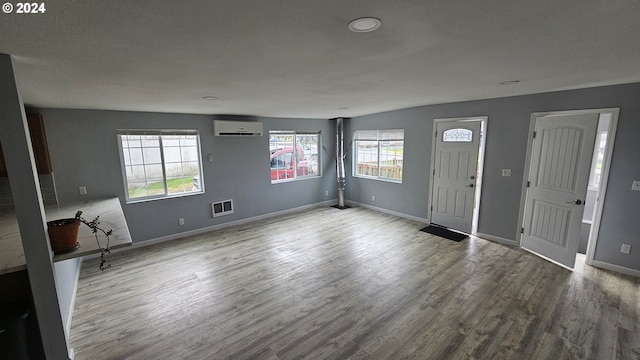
column 39, row 144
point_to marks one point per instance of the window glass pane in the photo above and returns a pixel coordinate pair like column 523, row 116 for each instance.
column 191, row 168
column 189, row 153
column 391, row 159
column 382, row 158
column 457, row 135
column 170, row 140
column 281, row 150
column 154, row 172
column 135, row 173
column 126, row 156
column 188, row 141
column 171, row 154
column 137, row 189
column 279, row 141
column 133, row 140
column 366, row 158
column 179, row 184
column 173, row 169
column 135, row 156
column 150, row 140
column 598, row 159
column 152, row 155
column 153, row 162
column 155, row 188
column 307, row 159
column 293, row 155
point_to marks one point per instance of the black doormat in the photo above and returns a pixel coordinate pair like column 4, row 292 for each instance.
column 444, row 232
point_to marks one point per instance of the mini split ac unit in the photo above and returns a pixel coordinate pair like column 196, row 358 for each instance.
column 237, row 128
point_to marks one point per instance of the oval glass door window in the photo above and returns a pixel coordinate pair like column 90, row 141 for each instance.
column 457, row 135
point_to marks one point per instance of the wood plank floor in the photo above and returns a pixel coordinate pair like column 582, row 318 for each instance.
column 352, row 284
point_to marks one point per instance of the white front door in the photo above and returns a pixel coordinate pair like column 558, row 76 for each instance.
column 558, row 179
column 454, row 175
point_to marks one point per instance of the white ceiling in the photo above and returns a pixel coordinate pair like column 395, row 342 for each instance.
column 296, row 58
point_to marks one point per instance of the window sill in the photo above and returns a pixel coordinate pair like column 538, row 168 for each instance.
column 137, row 201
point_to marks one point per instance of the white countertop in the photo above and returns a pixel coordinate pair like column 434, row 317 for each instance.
column 111, row 217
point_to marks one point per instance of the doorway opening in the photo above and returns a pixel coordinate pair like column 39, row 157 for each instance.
column 457, row 163
column 576, row 167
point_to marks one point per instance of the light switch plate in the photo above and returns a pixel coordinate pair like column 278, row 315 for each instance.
column 635, row 185
column 506, row 172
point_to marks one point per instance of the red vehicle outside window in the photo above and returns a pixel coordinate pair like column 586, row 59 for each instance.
column 284, row 165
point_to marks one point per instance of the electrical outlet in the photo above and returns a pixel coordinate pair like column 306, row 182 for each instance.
column 181, row 221
column 210, row 157
column 373, row 198
column 326, row 193
column 626, row 248
column 635, row 185
column 83, row 190
column 506, row 172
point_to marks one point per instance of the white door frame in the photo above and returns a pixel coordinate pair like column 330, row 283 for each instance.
column 478, row 184
column 608, row 152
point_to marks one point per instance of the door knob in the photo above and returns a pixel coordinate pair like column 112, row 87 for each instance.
column 576, row 201
column 470, row 185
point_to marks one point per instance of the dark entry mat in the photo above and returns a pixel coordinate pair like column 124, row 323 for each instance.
column 444, row 232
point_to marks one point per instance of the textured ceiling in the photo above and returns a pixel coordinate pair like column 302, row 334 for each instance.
column 297, row 59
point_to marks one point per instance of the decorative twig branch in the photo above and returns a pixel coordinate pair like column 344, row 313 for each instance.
column 94, row 225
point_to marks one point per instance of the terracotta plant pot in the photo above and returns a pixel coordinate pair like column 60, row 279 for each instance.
column 63, row 235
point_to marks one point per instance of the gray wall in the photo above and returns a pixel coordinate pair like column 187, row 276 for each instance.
column 507, row 132
column 84, row 152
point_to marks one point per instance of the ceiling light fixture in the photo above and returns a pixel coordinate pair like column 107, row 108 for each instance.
column 365, row 24
column 343, row 108
column 510, row 82
column 210, row 98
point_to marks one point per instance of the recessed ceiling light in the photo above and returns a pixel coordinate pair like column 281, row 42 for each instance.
column 343, row 108
column 365, row 24
column 210, row 98
column 510, row 82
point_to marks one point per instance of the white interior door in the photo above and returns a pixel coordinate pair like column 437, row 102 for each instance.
column 558, row 180
column 454, row 175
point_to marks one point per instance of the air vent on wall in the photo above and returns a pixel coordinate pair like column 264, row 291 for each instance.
column 221, row 208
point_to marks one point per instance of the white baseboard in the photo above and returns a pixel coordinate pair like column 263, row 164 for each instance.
column 497, row 239
column 616, row 268
column 220, row 226
column 386, row 211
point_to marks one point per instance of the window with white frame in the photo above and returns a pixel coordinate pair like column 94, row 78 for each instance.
column 160, row 163
column 598, row 159
column 378, row 154
column 294, row 155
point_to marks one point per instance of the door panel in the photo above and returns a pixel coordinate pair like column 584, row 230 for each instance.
column 456, row 162
column 559, row 173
